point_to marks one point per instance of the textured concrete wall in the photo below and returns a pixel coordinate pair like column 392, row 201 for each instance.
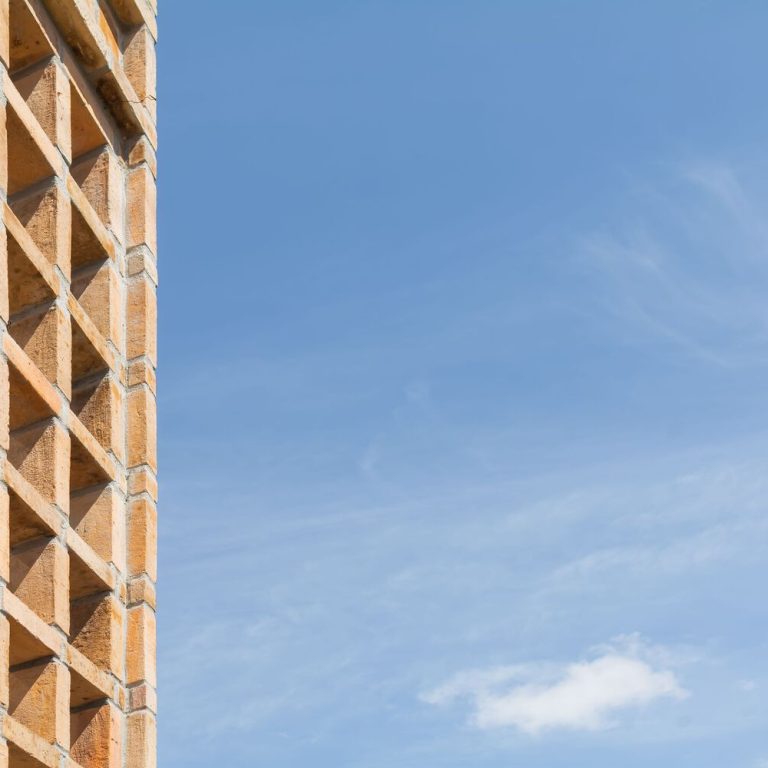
column 78, row 486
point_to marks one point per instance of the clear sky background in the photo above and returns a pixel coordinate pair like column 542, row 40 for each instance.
column 464, row 384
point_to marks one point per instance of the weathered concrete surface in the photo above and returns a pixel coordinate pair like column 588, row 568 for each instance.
column 78, row 351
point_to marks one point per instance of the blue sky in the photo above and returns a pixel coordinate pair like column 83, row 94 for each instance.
column 464, row 361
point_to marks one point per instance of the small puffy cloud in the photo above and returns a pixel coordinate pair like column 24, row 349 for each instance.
column 585, row 695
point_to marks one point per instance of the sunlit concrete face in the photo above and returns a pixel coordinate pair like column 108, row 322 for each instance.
column 78, row 485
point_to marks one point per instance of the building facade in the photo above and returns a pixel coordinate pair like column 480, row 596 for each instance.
column 78, row 465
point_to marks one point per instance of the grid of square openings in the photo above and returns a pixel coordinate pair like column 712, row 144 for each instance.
column 68, row 608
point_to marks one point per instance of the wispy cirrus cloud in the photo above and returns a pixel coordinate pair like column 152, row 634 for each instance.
column 586, row 695
column 689, row 267
column 710, row 546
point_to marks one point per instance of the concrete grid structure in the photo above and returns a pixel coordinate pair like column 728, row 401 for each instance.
column 78, row 485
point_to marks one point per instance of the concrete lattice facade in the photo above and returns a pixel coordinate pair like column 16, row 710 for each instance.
column 78, row 484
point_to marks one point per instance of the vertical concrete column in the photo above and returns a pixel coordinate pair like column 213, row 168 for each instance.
column 5, row 575
column 141, row 354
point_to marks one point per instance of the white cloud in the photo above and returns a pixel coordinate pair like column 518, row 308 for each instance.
column 579, row 696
